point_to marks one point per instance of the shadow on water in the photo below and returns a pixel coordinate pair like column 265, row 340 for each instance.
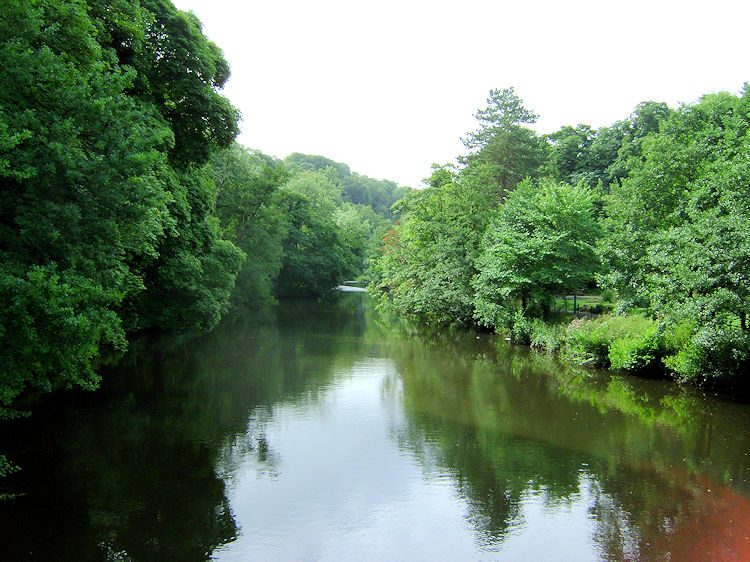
column 134, row 470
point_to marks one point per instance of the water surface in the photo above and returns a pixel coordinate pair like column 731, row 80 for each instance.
column 319, row 432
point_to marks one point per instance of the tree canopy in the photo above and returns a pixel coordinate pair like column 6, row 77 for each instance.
column 541, row 241
column 652, row 210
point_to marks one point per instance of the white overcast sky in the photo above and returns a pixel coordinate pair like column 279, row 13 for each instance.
column 389, row 87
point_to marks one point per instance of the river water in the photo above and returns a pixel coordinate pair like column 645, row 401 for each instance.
column 321, row 432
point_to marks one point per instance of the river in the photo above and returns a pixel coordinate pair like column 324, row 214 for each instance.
column 322, row 432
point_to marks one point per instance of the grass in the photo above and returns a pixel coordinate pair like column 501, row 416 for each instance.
column 594, row 303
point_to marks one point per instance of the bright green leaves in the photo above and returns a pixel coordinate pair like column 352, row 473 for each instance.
column 427, row 261
column 679, row 233
column 433, row 266
column 655, row 207
column 542, row 240
column 52, row 327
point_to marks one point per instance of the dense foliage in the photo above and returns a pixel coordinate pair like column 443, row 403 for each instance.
column 678, row 234
column 427, row 261
column 653, row 210
column 301, row 234
column 380, row 195
column 124, row 203
column 541, row 241
column 104, row 206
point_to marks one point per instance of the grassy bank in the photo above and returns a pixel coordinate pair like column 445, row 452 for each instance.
column 637, row 344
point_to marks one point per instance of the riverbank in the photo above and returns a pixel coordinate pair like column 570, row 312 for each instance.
column 636, row 344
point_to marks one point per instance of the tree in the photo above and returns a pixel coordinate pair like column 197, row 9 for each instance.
column 677, row 234
column 189, row 286
column 180, row 71
column 504, row 111
column 317, row 256
column 630, row 134
column 502, row 151
column 82, row 195
column 569, row 155
column 427, row 260
column 249, row 210
column 355, row 230
column 107, row 110
column 355, row 188
column 653, row 195
column 542, row 239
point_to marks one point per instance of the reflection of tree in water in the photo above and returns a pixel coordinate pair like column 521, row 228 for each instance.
column 314, row 341
column 456, row 417
column 136, row 459
column 248, row 446
column 665, row 512
column 138, row 469
column 504, row 425
column 492, row 472
column 615, row 532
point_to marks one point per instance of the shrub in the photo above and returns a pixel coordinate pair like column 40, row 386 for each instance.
column 707, row 354
column 549, row 337
column 629, row 342
column 521, row 330
column 636, row 353
column 599, row 308
column 608, row 296
column 586, row 343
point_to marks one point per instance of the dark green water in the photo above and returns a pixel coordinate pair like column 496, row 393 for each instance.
column 320, row 433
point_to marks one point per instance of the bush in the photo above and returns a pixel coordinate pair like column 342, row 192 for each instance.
column 628, row 342
column 549, row 337
column 521, row 330
column 636, row 353
column 598, row 308
column 707, row 354
column 608, row 296
column 586, row 343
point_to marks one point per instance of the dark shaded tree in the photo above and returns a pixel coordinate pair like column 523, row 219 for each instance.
column 107, row 111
